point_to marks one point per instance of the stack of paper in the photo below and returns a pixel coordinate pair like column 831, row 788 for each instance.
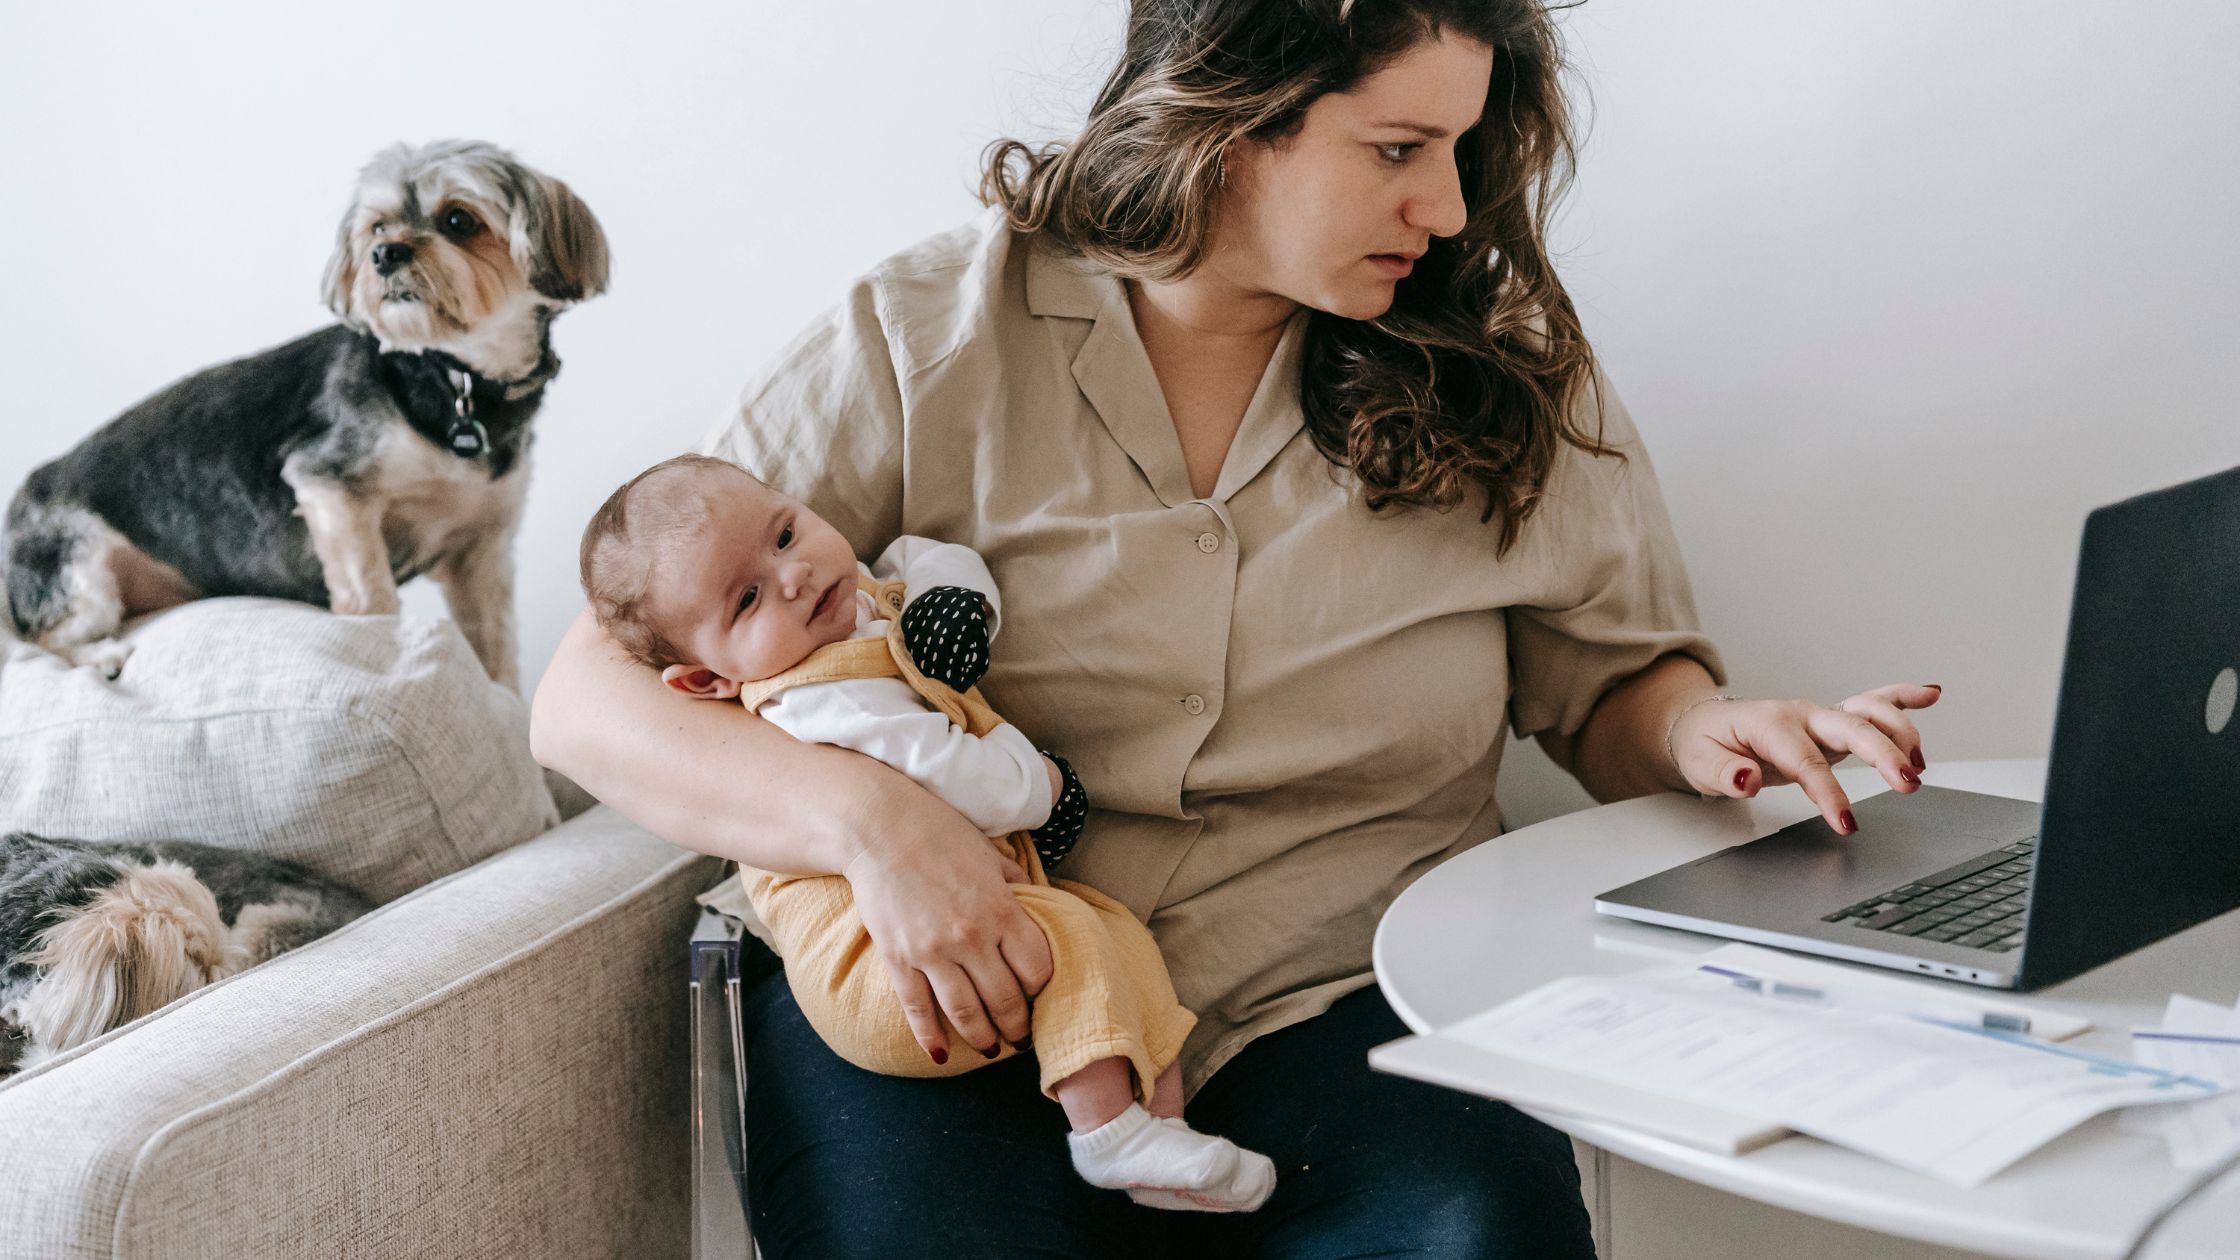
column 1955, row 1096
column 2199, row 1039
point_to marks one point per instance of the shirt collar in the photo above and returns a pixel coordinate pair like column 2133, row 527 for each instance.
column 1115, row 375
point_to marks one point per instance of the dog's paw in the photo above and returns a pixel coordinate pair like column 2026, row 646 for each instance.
column 106, row 657
column 364, row 600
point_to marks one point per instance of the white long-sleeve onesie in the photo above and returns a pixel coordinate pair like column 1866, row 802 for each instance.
column 997, row 780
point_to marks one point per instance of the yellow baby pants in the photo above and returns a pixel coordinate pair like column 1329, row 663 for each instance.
column 1109, row 994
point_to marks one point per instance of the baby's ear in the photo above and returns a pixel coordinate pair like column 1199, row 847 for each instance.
column 700, row 682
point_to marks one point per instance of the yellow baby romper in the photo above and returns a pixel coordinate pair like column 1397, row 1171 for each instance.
column 1109, row 995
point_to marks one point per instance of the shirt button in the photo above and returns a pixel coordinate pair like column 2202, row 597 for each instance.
column 1194, row 704
column 1209, row 542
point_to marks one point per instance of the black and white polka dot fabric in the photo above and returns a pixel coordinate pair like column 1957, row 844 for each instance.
column 1055, row 838
column 946, row 630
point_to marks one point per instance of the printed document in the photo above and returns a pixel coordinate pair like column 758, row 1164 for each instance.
column 1953, row 1100
column 2200, row 1039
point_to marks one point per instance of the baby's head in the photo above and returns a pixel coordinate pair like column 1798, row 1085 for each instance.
column 715, row 579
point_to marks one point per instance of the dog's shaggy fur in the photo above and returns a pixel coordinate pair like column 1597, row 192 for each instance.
column 93, row 936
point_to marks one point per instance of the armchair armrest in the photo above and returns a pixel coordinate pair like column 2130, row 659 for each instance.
column 493, row 1064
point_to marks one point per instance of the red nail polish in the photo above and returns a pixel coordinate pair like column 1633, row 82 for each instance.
column 1918, row 763
column 939, row 1057
column 1742, row 780
column 1909, row 776
column 1850, row 824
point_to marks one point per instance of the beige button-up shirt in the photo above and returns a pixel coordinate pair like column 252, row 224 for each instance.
column 1284, row 707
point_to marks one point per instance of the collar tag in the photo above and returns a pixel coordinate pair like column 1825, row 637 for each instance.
column 466, row 437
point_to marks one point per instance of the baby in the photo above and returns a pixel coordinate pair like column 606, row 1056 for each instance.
column 737, row 592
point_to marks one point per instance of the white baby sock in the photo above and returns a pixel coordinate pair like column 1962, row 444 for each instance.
column 1163, row 1163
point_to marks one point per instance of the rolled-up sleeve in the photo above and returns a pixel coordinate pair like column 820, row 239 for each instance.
column 1606, row 541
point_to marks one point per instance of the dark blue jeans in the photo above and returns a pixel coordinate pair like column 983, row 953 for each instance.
column 844, row 1163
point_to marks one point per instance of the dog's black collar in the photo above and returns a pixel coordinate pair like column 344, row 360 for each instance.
column 485, row 390
column 472, row 392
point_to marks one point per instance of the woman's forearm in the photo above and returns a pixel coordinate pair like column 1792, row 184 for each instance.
column 1620, row 753
column 709, row 776
column 703, row 775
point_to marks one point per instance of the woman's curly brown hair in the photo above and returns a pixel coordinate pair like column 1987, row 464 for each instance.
column 1475, row 375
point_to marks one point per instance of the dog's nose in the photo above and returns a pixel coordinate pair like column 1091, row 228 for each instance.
column 389, row 255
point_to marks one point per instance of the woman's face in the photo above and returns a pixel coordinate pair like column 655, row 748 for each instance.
column 1333, row 215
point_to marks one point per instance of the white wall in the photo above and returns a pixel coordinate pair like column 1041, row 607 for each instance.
column 1897, row 289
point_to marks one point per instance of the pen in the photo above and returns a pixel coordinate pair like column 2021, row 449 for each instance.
column 1995, row 1021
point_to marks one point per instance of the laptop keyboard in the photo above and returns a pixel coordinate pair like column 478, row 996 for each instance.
column 1976, row 904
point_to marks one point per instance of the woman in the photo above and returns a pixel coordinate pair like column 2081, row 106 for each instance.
column 1284, row 445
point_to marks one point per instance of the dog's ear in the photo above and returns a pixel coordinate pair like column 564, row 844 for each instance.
column 342, row 270
column 557, row 242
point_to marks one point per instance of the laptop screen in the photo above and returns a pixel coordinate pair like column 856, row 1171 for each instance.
column 2141, row 829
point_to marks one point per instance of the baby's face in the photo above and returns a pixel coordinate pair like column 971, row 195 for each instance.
column 764, row 583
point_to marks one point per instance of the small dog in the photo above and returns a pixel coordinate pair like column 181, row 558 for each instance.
column 93, row 936
column 333, row 468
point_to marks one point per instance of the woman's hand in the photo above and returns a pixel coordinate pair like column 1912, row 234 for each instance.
column 1733, row 748
column 955, row 942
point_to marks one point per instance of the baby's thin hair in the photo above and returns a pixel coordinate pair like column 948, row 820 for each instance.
column 624, row 544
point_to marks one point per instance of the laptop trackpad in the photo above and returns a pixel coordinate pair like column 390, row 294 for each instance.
column 1797, row 874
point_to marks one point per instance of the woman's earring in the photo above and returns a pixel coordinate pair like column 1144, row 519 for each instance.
column 1221, row 171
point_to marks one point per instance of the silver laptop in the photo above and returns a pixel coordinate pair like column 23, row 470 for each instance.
column 2139, row 836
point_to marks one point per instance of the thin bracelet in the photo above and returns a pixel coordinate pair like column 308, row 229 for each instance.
column 1672, row 756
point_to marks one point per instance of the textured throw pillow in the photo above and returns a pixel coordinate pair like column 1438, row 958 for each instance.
column 371, row 749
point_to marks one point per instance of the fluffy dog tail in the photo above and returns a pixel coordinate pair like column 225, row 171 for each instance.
column 149, row 939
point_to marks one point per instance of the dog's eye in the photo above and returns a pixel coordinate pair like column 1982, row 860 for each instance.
column 458, row 222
